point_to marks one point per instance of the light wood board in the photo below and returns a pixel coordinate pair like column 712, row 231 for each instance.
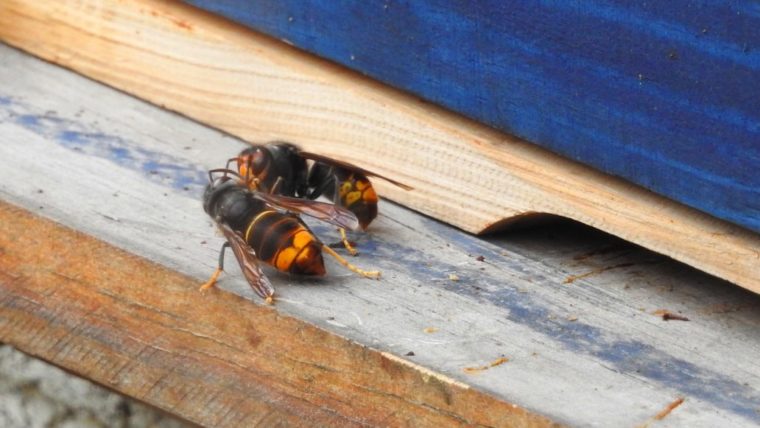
column 258, row 89
column 634, row 89
column 571, row 309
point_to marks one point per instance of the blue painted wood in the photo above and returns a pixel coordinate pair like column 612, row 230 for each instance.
column 664, row 94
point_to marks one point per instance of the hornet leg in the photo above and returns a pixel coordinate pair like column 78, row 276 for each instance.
column 319, row 191
column 250, row 181
column 344, row 239
column 374, row 274
column 276, row 186
column 220, row 268
column 229, row 161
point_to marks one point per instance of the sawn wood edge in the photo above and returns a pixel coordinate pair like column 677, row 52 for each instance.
column 213, row 358
column 259, row 89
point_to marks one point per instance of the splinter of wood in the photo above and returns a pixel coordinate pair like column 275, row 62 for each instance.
column 494, row 363
column 663, row 413
column 668, row 316
column 666, row 411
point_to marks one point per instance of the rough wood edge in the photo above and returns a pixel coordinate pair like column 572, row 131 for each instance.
column 214, row 359
column 256, row 88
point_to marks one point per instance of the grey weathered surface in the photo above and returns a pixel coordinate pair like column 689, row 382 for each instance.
column 586, row 352
column 34, row 394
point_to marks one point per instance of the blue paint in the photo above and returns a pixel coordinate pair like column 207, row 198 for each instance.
column 71, row 134
column 69, row 137
column 664, row 94
column 623, row 354
column 28, row 120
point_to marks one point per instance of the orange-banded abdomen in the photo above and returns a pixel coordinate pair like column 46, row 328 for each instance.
column 356, row 194
column 284, row 242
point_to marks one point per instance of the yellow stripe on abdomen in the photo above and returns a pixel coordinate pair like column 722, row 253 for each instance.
column 253, row 222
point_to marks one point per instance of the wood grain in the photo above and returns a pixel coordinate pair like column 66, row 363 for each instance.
column 641, row 90
column 253, row 87
column 591, row 351
column 218, row 361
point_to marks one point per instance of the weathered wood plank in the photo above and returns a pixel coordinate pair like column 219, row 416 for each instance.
column 664, row 94
column 220, row 361
column 582, row 353
column 464, row 173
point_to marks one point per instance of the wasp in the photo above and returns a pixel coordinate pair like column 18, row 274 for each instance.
column 281, row 168
column 262, row 227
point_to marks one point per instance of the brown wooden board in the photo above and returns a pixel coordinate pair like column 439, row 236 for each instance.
column 253, row 87
column 216, row 360
column 575, row 313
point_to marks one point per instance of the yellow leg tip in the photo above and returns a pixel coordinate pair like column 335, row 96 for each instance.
column 344, row 239
column 269, row 300
column 372, row 274
column 211, row 281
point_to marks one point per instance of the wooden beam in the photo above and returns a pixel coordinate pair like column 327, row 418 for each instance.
column 253, row 87
column 573, row 310
column 641, row 90
column 144, row 330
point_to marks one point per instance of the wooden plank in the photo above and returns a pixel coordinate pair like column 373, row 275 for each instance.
column 584, row 352
column 464, row 173
column 642, row 90
column 137, row 327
